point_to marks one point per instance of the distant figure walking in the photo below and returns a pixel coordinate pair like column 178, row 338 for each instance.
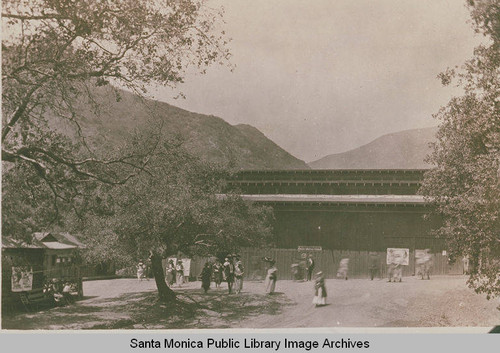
column 465, row 262
column 343, row 269
column 170, row 273
column 395, row 272
column 229, row 274
column 141, row 268
column 179, row 270
column 297, row 273
column 310, row 267
column 206, row 277
column 217, row 273
column 238, row 276
column 271, row 277
column 424, row 263
column 319, row 290
column 374, row 261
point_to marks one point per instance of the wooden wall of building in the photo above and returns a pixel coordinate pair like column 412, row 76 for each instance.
column 326, row 261
column 355, row 228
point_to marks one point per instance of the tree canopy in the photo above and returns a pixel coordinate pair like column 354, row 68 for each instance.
column 54, row 55
column 179, row 207
column 465, row 185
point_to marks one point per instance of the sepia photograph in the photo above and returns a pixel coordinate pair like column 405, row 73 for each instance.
column 264, row 164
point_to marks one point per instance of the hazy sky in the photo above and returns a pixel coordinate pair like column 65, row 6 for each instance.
column 321, row 77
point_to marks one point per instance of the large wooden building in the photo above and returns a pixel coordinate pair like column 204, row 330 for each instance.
column 345, row 210
column 367, row 210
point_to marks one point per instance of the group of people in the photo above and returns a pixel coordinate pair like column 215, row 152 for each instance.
column 230, row 271
column 61, row 292
column 320, row 293
column 303, row 270
column 175, row 273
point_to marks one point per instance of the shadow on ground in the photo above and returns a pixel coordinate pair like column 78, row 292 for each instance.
column 193, row 309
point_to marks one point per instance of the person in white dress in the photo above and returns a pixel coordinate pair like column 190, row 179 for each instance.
column 319, row 290
column 271, row 277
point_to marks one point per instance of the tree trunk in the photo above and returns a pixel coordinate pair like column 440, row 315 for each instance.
column 165, row 294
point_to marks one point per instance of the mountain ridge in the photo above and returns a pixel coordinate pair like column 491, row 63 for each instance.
column 206, row 136
column 405, row 149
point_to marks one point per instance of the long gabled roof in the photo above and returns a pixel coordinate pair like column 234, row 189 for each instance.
column 342, row 199
column 45, row 240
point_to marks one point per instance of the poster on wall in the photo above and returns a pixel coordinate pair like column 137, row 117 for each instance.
column 22, row 279
column 398, row 256
column 422, row 256
column 187, row 267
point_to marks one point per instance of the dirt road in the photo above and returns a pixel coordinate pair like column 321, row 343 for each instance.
column 128, row 303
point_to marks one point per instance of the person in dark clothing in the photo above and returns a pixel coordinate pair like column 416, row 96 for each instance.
column 171, row 274
column 310, row 267
column 206, row 277
column 374, row 260
column 229, row 274
column 217, row 271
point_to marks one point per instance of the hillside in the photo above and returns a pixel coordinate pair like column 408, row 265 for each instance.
column 400, row 150
column 207, row 136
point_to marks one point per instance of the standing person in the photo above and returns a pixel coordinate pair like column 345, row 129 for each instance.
column 206, row 276
column 141, row 267
column 424, row 263
column 238, row 276
column 343, row 269
column 310, row 267
column 295, row 272
column 374, row 260
column 229, row 274
column 217, row 273
column 319, row 290
column 271, row 277
column 170, row 272
column 465, row 262
column 179, row 269
column 67, row 293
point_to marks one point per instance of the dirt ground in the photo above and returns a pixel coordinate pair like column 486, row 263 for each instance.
column 132, row 304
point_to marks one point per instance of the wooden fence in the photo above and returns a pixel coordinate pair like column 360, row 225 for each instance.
column 326, row 261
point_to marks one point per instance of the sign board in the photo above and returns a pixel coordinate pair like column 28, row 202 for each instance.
column 398, row 256
column 187, row 267
column 22, row 279
column 310, row 248
column 422, row 256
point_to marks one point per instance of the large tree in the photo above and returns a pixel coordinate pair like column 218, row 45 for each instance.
column 180, row 206
column 54, row 55
column 465, row 185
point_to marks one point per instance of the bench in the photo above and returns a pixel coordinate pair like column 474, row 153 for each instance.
column 35, row 299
